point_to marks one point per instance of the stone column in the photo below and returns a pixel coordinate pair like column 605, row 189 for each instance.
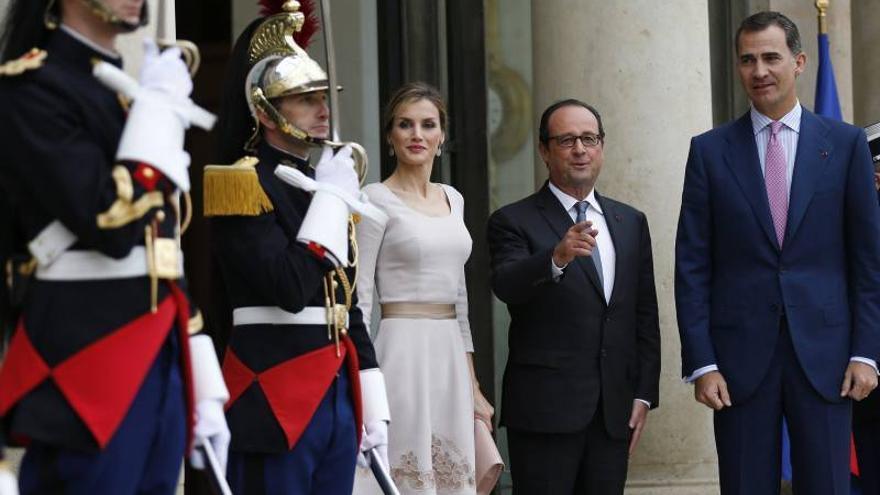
column 645, row 66
column 866, row 62
column 803, row 13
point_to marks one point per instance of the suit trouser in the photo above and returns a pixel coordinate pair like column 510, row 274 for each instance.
column 748, row 434
column 321, row 463
column 588, row 462
column 866, row 429
column 144, row 455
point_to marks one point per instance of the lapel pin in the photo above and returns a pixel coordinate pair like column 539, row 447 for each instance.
column 824, row 154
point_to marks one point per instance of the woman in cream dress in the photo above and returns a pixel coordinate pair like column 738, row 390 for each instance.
column 413, row 272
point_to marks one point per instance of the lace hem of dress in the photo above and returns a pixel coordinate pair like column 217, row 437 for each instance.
column 449, row 469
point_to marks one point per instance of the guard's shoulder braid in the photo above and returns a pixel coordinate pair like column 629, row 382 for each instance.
column 235, row 190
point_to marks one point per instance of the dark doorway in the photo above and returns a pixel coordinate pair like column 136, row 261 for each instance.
column 211, row 31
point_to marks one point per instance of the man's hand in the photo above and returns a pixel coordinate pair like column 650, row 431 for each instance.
column 579, row 240
column 338, row 169
column 711, row 390
column 637, row 423
column 860, row 379
column 211, row 426
column 375, row 435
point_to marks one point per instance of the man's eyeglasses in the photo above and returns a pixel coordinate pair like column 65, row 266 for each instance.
column 567, row 140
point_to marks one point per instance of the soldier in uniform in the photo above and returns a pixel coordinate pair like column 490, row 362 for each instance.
column 301, row 370
column 104, row 375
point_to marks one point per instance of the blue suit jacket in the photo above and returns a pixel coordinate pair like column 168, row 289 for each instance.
column 733, row 284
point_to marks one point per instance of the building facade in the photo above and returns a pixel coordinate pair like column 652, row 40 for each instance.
column 659, row 72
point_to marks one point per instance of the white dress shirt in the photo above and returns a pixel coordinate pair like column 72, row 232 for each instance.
column 788, row 137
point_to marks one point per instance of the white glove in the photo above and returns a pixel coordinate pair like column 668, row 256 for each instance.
column 338, row 170
column 8, row 483
column 356, row 203
column 326, row 221
column 210, row 396
column 211, row 427
column 375, row 436
column 165, row 72
column 158, row 118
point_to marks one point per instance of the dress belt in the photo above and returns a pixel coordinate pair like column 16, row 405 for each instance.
column 273, row 315
column 94, row 265
column 432, row 311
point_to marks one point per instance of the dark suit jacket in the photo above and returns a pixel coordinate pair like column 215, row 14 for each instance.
column 567, row 346
column 733, row 283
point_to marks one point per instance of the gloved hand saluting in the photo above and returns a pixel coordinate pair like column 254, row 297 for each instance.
column 158, row 119
column 338, row 170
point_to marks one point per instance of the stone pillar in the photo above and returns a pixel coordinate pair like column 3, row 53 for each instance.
column 866, row 62
column 804, row 14
column 645, row 66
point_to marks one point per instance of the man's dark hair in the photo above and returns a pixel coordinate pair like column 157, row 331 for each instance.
column 763, row 20
column 23, row 29
column 544, row 131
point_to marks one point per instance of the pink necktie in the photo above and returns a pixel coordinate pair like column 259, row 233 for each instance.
column 776, row 181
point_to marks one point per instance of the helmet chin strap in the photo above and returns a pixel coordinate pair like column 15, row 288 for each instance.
column 104, row 13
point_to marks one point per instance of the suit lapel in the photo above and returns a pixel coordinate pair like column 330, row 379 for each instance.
column 560, row 222
column 742, row 159
column 812, row 155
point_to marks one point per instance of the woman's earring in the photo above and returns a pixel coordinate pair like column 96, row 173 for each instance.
column 390, row 151
column 439, row 151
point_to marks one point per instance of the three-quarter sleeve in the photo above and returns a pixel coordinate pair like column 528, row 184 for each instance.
column 369, row 241
column 461, row 301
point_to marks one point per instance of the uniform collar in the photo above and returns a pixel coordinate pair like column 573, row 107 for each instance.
column 67, row 45
column 275, row 156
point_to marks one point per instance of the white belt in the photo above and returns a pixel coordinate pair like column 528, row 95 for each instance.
column 93, row 265
column 273, row 315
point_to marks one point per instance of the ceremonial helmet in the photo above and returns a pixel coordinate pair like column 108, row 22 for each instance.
column 101, row 11
column 280, row 67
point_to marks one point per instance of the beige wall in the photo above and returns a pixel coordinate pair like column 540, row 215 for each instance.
column 866, row 61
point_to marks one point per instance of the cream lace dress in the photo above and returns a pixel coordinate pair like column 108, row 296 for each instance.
column 420, row 258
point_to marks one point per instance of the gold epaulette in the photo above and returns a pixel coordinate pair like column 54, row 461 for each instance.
column 31, row 60
column 235, row 190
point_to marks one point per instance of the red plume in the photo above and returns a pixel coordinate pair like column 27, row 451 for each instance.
column 307, row 7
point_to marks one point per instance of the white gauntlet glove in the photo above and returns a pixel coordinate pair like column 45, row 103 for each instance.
column 211, row 427
column 158, row 118
column 336, row 195
column 8, row 483
column 376, row 415
column 210, row 396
